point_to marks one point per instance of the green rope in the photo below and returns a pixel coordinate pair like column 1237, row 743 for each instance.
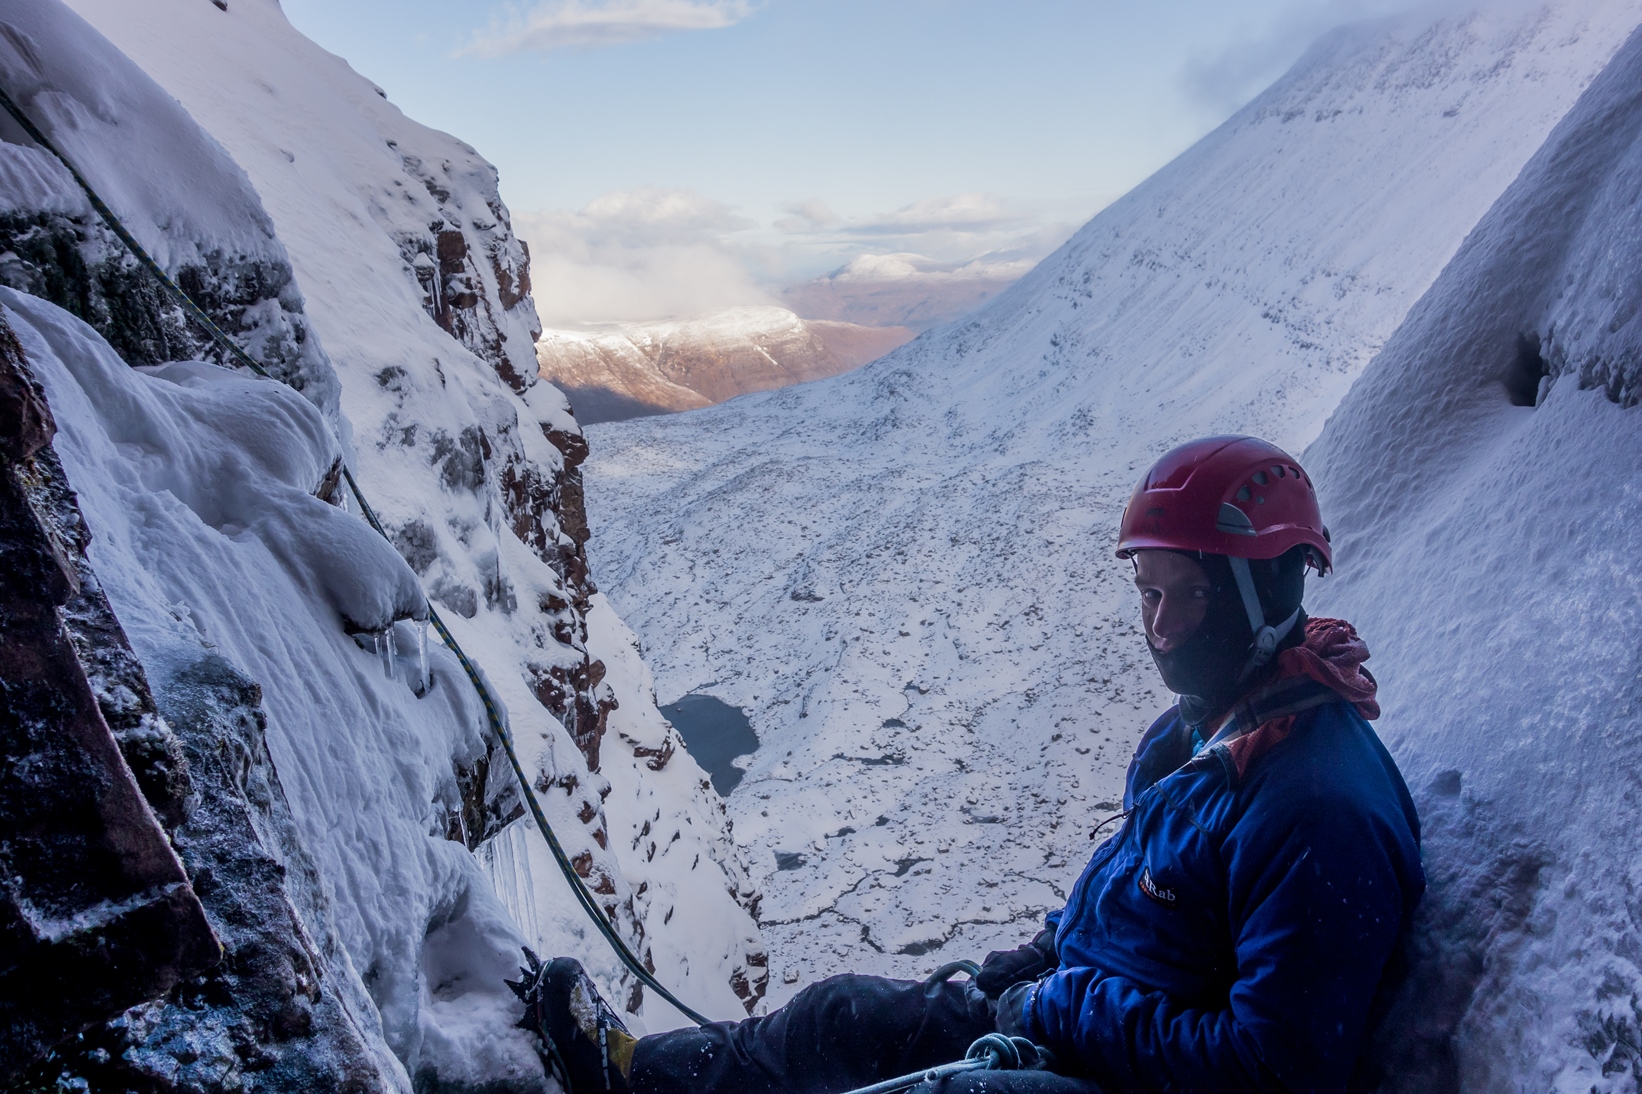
column 499, row 727
column 193, row 310
column 492, row 710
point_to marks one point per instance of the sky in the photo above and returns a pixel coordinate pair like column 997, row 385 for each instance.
column 671, row 157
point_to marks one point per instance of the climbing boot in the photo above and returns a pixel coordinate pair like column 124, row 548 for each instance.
column 584, row 1045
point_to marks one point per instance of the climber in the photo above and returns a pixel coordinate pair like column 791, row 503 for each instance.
column 1231, row 934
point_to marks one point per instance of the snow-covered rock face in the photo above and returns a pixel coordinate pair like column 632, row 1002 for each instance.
column 653, row 368
column 904, row 574
column 120, row 128
column 192, row 557
column 204, row 565
column 1487, row 509
column 207, row 495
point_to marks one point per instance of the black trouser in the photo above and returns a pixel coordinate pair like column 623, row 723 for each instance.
column 834, row 1036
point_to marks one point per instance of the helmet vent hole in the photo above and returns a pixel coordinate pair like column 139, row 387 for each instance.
column 1244, row 494
column 1278, row 471
column 1259, row 478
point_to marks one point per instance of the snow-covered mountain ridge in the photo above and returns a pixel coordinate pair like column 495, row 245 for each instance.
column 903, row 574
column 654, row 368
column 368, row 262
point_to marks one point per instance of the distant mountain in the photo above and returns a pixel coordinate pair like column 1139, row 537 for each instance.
column 656, row 368
column 904, row 290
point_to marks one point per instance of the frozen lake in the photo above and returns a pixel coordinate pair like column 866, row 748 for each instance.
column 715, row 733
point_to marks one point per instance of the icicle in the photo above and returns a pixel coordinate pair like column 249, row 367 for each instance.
column 422, row 657
column 384, row 649
column 342, row 498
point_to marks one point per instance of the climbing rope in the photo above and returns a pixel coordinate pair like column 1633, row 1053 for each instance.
column 992, row 1052
column 492, row 710
column 953, row 968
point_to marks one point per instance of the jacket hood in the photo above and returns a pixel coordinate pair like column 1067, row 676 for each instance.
column 1330, row 655
column 1333, row 655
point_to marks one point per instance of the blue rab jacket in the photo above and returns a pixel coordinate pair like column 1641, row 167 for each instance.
column 1231, row 935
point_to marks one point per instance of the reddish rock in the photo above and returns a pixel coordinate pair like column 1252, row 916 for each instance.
column 97, row 914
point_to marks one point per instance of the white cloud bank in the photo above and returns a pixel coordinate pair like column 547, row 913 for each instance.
column 656, row 253
column 646, row 253
column 591, row 24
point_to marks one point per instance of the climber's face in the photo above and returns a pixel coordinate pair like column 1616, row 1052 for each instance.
column 1174, row 597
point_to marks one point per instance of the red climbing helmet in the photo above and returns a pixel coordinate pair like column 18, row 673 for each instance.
column 1233, row 496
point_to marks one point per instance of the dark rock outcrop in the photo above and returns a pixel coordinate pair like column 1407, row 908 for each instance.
column 269, row 1013
column 75, row 262
column 272, row 1015
column 96, row 912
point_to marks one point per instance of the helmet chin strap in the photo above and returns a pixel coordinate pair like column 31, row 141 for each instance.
column 1265, row 637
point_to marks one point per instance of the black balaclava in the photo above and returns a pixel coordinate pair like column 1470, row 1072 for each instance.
column 1206, row 670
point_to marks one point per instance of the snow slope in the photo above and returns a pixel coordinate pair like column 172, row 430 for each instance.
column 1484, row 482
column 126, row 132
column 903, row 574
column 326, row 229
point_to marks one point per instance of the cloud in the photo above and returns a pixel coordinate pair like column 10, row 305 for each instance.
column 657, row 253
column 915, row 267
column 595, row 24
column 971, row 214
column 648, row 215
column 921, row 265
column 956, row 213
column 807, row 216
column 904, row 289
column 646, row 253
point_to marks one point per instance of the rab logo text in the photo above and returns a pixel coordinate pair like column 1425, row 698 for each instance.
column 1154, row 890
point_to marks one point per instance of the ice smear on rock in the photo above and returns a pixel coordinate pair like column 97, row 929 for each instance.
column 914, row 559
column 421, row 656
column 256, row 606
column 1490, row 551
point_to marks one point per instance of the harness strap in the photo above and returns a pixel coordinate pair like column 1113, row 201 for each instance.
column 1284, row 697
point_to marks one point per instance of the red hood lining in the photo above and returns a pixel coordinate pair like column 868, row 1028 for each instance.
column 1331, row 654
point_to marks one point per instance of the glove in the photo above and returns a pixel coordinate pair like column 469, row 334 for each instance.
column 1003, row 968
column 1011, row 1017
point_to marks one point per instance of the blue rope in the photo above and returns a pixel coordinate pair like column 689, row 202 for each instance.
column 492, row 709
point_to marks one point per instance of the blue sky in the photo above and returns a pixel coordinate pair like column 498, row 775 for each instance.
column 665, row 156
